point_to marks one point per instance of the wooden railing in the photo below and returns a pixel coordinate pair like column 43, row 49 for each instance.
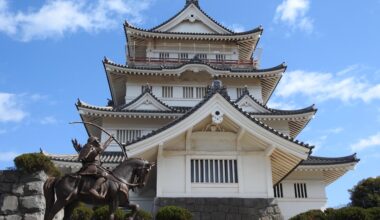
column 157, row 61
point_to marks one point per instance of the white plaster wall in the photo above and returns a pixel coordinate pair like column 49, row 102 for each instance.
column 316, row 197
column 252, row 172
column 254, row 175
column 172, row 176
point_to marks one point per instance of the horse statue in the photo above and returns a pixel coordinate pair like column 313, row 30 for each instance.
column 71, row 188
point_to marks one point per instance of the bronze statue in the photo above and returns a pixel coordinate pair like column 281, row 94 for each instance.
column 94, row 184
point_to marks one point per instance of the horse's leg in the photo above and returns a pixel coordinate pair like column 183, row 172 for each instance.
column 58, row 205
column 134, row 207
column 69, row 210
column 112, row 208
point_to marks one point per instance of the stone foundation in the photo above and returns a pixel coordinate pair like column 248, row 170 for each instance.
column 21, row 196
column 224, row 208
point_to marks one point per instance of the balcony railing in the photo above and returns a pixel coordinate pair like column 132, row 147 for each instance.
column 148, row 61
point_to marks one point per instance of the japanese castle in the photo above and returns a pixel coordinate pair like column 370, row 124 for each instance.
column 193, row 98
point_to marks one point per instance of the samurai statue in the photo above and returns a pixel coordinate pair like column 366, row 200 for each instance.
column 89, row 155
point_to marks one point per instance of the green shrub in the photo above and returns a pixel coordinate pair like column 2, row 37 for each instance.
column 373, row 213
column 173, row 213
column 141, row 215
column 33, row 162
column 82, row 212
column 310, row 215
column 366, row 194
column 348, row 213
column 102, row 213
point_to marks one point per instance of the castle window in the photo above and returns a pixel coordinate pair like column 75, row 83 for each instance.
column 300, row 190
column 127, row 135
column 278, row 192
column 202, row 56
column 220, row 57
column 239, row 92
column 200, row 92
column 214, row 171
column 188, row 92
column 164, row 56
column 167, row 91
column 183, row 56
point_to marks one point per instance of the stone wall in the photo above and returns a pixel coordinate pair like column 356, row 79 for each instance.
column 21, row 195
column 225, row 208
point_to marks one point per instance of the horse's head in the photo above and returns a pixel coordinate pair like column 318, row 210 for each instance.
column 141, row 173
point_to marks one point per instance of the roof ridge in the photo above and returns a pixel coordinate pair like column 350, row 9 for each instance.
column 196, row 4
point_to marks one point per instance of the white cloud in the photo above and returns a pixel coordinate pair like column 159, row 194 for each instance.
column 293, row 13
column 10, row 108
column 57, row 17
column 7, row 156
column 325, row 86
column 370, row 142
column 49, row 120
column 281, row 105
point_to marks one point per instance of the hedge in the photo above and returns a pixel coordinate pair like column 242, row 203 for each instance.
column 82, row 212
column 346, row 213
column 102, row 213
column 33, row 162
column 173, row 213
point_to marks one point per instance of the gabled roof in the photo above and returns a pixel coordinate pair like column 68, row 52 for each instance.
column 188, row 5
column 146, row 101
column 212, row 91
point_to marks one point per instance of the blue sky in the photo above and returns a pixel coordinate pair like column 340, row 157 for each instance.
column 51, row 54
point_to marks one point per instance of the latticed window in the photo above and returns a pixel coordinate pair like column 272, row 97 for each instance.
column 183, row 56
column 167, row 91
column 278, row 192
column 220, row 57
column 202, row 56
column 214, row 171
column 127, row 135
column 300, row 190
column 188, row 92
column 164, row 56
column 239, row 92
column 200, row 92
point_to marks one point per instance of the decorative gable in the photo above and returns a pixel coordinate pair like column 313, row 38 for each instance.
column 147, row 102
column 192, row 20
column 249, row 105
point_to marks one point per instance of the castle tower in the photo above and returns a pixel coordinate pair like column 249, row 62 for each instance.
column 192, row 98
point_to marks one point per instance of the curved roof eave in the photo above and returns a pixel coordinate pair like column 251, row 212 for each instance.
column 194, row 62
column 326, row 161
column 230, row 36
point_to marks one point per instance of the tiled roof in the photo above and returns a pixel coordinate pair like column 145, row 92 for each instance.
column 223, row 92
column 313, row 160
column 121, row 108
column 118, row 156
column 188, row 3
column 199, row 61
column 255, row 30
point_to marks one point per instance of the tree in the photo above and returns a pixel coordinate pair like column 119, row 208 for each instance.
column 366, row 193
